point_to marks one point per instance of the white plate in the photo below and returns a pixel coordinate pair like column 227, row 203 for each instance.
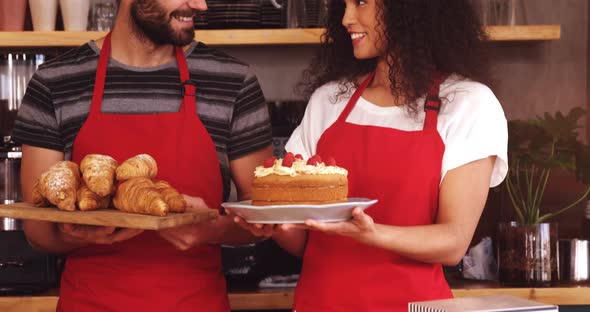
column 279, row 214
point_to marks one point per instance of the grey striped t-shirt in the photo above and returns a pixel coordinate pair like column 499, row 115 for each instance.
column 229, row 99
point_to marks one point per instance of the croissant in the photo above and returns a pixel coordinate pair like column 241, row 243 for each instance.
column 59, row 185
column 38, row 199
column 139, row 195
column 140, row 166
column 88, row 200
column 98, row 171
column 171, row 196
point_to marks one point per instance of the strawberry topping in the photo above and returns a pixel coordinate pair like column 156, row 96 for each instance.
column 288, row 160
column 298, row 156
column 314, row 160
column 270, row 162
column 330, row 161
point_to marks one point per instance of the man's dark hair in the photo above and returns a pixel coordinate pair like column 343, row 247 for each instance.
column 421, row 36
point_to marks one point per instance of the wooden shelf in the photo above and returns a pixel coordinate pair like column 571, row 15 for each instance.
column 211, row 37
column 237, row 37
column 524, row 33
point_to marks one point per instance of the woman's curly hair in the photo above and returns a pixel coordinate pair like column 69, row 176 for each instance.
column 421, row 36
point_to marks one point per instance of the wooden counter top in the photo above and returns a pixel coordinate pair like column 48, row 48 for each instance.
column 560, row 295
column 282, row 298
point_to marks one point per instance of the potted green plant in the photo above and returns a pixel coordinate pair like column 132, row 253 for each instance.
column 527, row 248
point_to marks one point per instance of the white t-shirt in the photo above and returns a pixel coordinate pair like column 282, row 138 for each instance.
column 471, row 123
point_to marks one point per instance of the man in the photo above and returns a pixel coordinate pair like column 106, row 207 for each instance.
column 146, row 88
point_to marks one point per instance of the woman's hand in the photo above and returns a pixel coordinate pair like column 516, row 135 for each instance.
column 188, row 236
column 361, row 227
column 83, row 235
column 289, row 238
column 258, row 229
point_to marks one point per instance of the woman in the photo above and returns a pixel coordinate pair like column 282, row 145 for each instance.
column 396, row 102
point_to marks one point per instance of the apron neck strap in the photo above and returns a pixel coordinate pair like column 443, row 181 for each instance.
column 101, row 73
column 355, row 97
column 188, row 86
column 431, row 105
column 432, row 102
column 189, row 103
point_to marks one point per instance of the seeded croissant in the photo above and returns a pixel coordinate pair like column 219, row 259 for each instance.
column 98, row 171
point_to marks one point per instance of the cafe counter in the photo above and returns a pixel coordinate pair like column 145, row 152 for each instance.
column 282, row 298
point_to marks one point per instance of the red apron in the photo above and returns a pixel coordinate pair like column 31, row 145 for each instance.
column 402, row 170
column 146, row 273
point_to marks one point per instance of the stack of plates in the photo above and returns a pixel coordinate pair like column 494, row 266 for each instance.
column 200, row 20
column 233, row 15
column 272, row 17
column 312, row 13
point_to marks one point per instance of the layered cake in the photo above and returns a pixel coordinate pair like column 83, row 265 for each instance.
column 293, row 180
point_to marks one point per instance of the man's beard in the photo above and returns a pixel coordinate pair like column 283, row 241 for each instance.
column 152, row 22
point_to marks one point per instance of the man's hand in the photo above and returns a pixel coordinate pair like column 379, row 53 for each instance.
column 83, row 235
column 188, row 236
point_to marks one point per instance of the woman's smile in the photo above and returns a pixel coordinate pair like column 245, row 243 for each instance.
column 357, row 38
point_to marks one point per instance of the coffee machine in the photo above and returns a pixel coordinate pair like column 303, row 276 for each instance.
column 15, row 72
column 22, row 269
column 14, row 75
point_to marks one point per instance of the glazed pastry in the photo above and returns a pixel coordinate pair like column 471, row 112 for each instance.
column 98, row 171
column 59, row 185
column 88, row 200
column 171, row 196
column 139, row 195
column 140, row 166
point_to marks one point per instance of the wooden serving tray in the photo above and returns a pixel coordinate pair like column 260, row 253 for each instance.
column 105, row 217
